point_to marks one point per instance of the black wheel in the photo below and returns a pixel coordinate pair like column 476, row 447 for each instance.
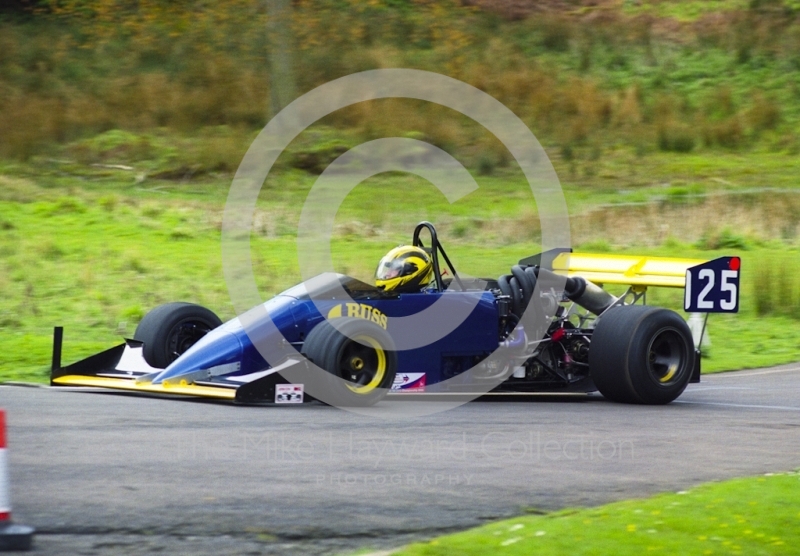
column 360, row 361
column 169, row 330
column 641, row 354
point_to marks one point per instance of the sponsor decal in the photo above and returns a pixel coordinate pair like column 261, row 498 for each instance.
column 288, row 393
column 359, row 310
column 409, row 382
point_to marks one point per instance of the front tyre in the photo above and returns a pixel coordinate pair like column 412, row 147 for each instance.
column 641, row 354
column 358, row 358
column 169, row 330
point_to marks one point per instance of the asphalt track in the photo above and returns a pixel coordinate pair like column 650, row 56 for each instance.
column 113, row 474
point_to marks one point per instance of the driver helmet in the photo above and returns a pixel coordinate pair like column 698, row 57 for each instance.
column 404, row 269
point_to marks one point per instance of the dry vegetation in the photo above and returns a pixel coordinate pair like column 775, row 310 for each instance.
column 731, row 221
column 580, row 74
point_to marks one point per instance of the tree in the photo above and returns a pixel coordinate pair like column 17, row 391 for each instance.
column 283, row 88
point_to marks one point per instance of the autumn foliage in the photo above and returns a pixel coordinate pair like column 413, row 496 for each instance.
column 579, row 73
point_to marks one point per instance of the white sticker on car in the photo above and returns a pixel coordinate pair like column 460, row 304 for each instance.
column 409, row 382
column 288, row 393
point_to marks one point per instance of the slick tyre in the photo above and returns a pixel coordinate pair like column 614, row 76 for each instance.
column 641, row 354
column 358, row 359
column 169, row 330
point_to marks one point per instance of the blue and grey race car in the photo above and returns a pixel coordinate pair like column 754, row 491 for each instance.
column 548, row 326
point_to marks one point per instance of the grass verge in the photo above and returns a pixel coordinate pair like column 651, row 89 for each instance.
column 93, row 248
column 757, row 515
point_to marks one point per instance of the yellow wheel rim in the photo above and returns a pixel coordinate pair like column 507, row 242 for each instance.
column 670, row 373
column 380, row 369
column 666, row 356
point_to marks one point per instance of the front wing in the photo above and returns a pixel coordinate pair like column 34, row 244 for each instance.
column 123, row 368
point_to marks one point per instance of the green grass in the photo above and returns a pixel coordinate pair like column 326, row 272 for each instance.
column 756, row 515
column 94, row 248
column 687, row 76
column 685, row 10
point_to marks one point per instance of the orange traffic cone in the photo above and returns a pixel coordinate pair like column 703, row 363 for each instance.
column 12, row 535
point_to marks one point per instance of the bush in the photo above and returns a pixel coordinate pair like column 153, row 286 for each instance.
column 764, row 114
column 486, row 165
column 676, row 137
column 728, row 134
column 723, row 239
column 776, row 285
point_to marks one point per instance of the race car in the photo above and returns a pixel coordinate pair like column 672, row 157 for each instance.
column 547, row 326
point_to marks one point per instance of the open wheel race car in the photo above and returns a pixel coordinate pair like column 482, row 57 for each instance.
column 548, row 326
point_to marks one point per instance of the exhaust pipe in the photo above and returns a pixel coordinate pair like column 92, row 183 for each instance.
column 590, row 296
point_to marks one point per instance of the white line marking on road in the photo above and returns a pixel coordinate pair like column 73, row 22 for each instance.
column 707, row 388
column 750, row 406
column 754, row 373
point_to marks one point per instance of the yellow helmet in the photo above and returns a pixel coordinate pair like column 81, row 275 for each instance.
column 404, row 269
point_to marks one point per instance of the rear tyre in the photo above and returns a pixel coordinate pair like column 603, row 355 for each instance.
column 641, row 354
column 169, row 330
column 359, row 360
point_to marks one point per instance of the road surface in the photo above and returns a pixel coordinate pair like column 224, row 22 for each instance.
column 119, row 474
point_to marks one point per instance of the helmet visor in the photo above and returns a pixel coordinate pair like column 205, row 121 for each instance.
column 389, row 268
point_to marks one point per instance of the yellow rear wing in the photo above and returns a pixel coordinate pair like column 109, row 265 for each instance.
column 628, row 270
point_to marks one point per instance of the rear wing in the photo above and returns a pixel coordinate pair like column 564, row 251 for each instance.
column 636, row 272
column 709, row 286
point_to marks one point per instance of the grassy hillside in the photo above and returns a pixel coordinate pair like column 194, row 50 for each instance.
column 585, row 76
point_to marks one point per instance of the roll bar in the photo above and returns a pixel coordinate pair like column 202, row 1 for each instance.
column 435, row 249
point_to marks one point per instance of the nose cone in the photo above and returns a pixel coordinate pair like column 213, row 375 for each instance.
column 218, row 347
column 234, row 341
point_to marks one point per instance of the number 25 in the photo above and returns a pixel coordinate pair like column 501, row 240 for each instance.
column 726, row 286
